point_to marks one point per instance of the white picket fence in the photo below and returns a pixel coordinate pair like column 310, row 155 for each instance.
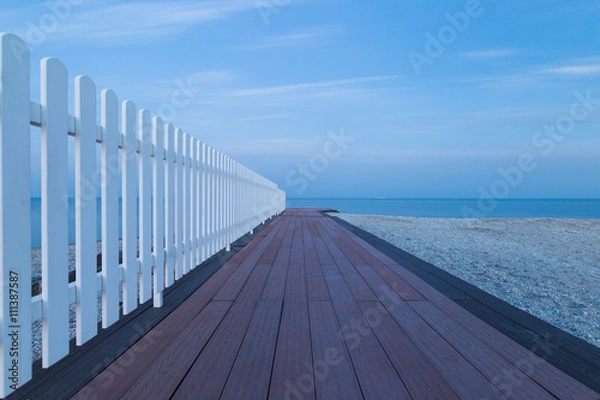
column 193, row 202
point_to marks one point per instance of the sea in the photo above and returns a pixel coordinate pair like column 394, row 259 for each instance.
column 428, row 208
column 458, row 208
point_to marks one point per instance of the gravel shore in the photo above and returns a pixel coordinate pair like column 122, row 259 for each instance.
column 36, row 270
column 549, row 268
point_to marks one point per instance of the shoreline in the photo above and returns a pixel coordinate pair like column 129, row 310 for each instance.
column 547, row 267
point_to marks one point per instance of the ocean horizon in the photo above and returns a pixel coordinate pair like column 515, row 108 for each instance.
column 457, row 207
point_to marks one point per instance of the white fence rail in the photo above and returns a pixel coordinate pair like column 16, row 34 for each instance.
column 193, row 202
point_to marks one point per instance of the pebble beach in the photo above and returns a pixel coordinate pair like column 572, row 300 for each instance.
column 549, row 268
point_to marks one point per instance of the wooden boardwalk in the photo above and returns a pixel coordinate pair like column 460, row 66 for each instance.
column 308, row 310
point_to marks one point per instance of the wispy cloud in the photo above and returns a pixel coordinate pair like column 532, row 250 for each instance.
column 111, row 23
column 489, row 53
column 308, row 87
column 315, row 36
column 576, row 70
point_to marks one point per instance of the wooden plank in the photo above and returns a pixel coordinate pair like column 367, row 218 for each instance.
column 546, row 374
column 111, row 274
column 104, row 385
column 295, row 290
column 419, row 375
column 145, row 199
column 219, row 353
column 233, row 286
column 55, row 230
column 293, row 353
column 505, row 376
column 324, row 257
column 275, row 286
column 441, row 280
column 251, row 372
column 85, row 208
column 316, row 287
column 400, row 286
column 376, row 375
column 129, row 185
column 170, row 204
column 15, row 210
column 271, row 251
column 293, row 345
column 359, row 288
column 332, row 368
column 158, row 194
column 464, row 379
column 417, row 283
column 160, row 379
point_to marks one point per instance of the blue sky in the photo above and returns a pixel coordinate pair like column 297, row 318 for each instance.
column 334, row 98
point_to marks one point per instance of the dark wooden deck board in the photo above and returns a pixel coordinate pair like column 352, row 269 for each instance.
column 333, row 370
column 293, row 350
column 419, row 375
column 249, row 378
column 511, row 381
column 316, row 286
column 376, row 375
column 210, row 371
column 161, row 378
column 359, row 327
column 275, row 286
column 357, row 285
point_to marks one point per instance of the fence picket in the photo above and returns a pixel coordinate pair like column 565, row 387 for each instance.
column 204, row 211
column 85, row 208
column 185, row 204
column 55, row 231
column 158, row 209
column 212, row 207
column 169, row 204
column 192, row 238
column 178, row 203
column 129, row 164
column 110, row 208
column 145, row 200
column 15, row 240
column 199, row 258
